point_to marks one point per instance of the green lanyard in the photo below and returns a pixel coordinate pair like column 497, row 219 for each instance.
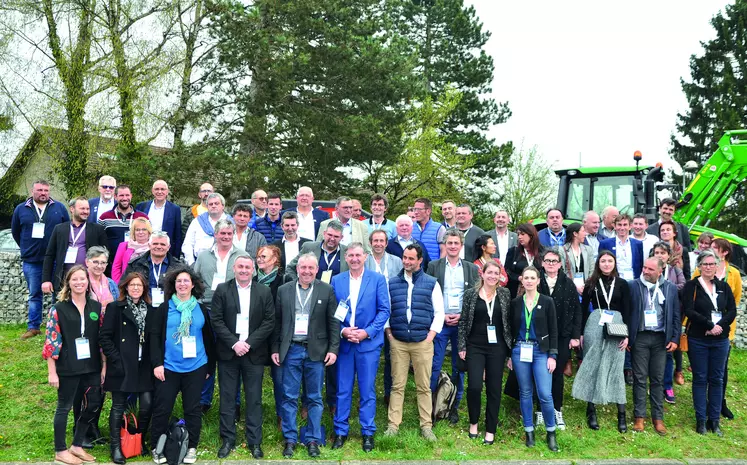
column 528, row 314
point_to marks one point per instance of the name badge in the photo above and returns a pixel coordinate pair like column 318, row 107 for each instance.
column 242, row 325
column 82, row 348
column 71, row 255
column 302, row 325
column 526, row 352
column 326, row 276
column 156, row 295
column 453, row 301
column 715, row 317
column 217, row 279
column 127, row 236
column 606, row 317
column 37, row 231
column 492, row 338
column 342, row 311
column 627, row 273
column 578, row 279
column 649, row 319
column 189, row 347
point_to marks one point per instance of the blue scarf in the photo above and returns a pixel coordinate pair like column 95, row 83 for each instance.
column 185, row 308
column 204, row 221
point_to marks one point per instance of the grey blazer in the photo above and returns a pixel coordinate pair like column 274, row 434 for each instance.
column 315, row 248
column 206, row 266
column 513, row 239
column 437, row 269
column 470, row 254
column 393, row 264
column 569, row 265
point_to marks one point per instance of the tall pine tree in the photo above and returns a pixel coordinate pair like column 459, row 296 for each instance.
column 717, row 97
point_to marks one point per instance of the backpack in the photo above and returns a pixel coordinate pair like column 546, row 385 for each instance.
column 443, row 397
column 174, row 443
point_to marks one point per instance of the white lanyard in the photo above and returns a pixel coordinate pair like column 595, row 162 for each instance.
column 577, row 259
column 75, row 238
column 490, row 304
column 607, row 298
column 326, row 259
column 40, row 211
column 652, row 297
column 82, row 323
column 528, row 257
column 376, row 226
column 308, row 296
column 712, row 295
column 381, row 267
column 157, row 274
column 123, row 221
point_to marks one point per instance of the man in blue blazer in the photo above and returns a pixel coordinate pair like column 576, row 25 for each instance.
column 105, row 201
column 164, row 215
column 554, row 234
column 363, row 310
column 627, row 250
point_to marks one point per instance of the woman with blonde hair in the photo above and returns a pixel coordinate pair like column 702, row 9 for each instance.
column 135, row 245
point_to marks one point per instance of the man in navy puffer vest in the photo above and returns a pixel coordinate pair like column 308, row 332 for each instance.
column 416, row 317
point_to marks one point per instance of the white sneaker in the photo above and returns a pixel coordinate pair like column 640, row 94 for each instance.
column 539, row 420
column 191, row 456
column 158, row 458
column 559, row 423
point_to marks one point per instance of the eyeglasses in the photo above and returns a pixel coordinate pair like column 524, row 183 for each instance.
column 346, row 208
column 551, row 262
column 106, row 187
column 135, row 285
column 141, row 230
column 98, row 263
column 707, row 264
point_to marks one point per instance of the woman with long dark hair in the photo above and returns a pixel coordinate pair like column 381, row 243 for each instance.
column 485, row 247
column 600, row 379
column 526, row 252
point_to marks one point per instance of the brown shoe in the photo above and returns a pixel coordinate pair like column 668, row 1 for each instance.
column 679, row 379
column 29, row 334
column 659, row 427
column 568, row 370
column 65, row 457
column 638, row 425
column 84, row 456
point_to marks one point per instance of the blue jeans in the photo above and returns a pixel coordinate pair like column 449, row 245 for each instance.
column 448, row 333
column 33, row 274
column 708, row 361
column 295, row 367
column 528, row 375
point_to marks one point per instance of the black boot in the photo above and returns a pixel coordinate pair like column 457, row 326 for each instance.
column 591, row 416
column 529, row 438
column 622, row 424
column 700, row 426
column 715, row 427
column 115, row 423
column 552, row 441
column 725, row 412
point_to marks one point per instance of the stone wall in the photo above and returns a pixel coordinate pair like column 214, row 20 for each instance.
column 741, row 338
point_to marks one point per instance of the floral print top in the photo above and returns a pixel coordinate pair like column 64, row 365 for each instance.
column 53, row 338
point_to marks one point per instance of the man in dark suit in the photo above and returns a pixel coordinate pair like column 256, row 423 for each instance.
column 105, row 201
column 471, row 233
column 163, row 215
column 503, row 238
column 666, row 210
column 290, row 244
column 243, row 318
column 68, row 244
column 305, row 340
column 628, row 251
column 454, row 276
column 363, row 310
column 397, row 245
column 309, row 218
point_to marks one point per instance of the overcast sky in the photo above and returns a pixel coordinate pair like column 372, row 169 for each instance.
column 594, row 77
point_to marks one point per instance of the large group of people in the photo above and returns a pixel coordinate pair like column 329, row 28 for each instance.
column 148, row 306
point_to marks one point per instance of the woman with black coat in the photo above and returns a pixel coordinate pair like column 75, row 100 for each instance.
column 124, row 340
column 527, row 252
column 182, row 353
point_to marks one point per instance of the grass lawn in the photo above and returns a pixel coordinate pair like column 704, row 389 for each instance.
column 27, row 406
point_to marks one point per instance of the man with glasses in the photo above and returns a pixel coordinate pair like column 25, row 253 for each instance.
column 259, row 203
column 154, row 264
column 68, row 244
column 200, row 235
column 164, row 215
column 105, row 201
column 32, row 225
column 352, row 230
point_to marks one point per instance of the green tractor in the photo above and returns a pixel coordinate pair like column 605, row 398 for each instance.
column 634, row 190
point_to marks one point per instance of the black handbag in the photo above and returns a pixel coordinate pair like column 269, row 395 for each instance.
column 617, row 330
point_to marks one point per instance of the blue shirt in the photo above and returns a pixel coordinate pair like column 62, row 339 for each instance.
column 173, row 358
column 153, row 281
column 523, row 328
column 334, row 263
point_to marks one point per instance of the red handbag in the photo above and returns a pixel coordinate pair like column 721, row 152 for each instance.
column 131, row 443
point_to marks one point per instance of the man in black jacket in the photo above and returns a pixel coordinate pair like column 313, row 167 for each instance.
column 153, row 265
column 560, row 287
column 243, row 317
column 305, row 340
column 68, row 244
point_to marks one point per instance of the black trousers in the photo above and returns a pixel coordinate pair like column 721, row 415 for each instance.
column 488, row 359
column 119, row 404
column 649, row 357
column 85, row 387
column 558, row 379
column 190, row 385
column 230, row 374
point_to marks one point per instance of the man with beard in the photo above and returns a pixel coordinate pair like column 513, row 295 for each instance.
column 503, row 238
column 105, row 201
column 116, row 222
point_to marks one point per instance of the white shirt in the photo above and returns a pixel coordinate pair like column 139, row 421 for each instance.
column 404, row 242
column 104, row 207
column 347, row 233
column 196, row 240
column 624, row 257
column 453, row 287
column 244, row 299
column 221, row 266
column 437, row 299
column 648, row 241
column 155, row 215
column 291, row 249
column 240, row 240
column 306, row 225
column 355, row 289
column 502, row 244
